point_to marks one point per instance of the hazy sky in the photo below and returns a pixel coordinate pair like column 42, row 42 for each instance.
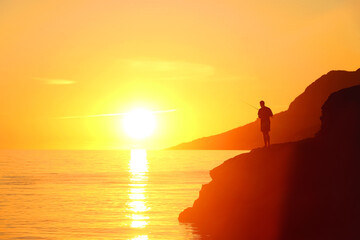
column 202, row 58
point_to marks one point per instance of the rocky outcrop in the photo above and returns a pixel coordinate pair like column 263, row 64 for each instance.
column 308, row 190
column 300, row 121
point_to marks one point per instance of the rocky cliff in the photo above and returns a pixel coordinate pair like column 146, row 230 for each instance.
column 308, row 190
column 301, row 120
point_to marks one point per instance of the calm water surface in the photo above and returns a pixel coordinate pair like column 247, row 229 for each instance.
column 134, row 194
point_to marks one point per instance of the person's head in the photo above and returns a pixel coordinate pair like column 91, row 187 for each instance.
column 262, row 103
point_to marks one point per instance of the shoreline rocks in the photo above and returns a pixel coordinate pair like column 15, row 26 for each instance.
column 309, row 189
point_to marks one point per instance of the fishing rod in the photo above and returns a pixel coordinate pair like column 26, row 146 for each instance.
column 249, row 104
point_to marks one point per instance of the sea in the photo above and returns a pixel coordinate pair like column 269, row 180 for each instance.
column 134, row 194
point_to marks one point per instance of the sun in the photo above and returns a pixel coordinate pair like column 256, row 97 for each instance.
column 139, row 123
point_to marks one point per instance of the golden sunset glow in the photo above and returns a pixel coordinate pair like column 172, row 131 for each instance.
column 203, row 58
column 139, row 123
column 145, row 120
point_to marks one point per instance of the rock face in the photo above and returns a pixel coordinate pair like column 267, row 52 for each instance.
column 300, row 121
column 308, row 190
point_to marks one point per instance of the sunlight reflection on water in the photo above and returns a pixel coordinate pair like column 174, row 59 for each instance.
column 95, row 195
column 138, row 168
column 142, row 237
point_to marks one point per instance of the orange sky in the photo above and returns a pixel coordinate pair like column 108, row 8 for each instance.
column 202, row 58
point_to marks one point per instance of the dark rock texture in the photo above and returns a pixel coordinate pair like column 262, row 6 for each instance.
column 300, row 121
column 308, row 190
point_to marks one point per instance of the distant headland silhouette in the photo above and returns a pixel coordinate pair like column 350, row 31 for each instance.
column 301, row 120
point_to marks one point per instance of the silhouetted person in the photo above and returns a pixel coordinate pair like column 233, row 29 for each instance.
column 264, row 114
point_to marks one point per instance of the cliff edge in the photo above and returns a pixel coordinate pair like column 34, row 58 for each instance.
column 300, row 121
column 308, row 190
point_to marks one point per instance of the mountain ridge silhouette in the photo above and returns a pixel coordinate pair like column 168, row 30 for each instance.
column 301, row 120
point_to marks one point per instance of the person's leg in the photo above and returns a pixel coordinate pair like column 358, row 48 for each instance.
column 265, row 138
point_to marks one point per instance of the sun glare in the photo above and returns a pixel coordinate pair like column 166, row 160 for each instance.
column 139, row 123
